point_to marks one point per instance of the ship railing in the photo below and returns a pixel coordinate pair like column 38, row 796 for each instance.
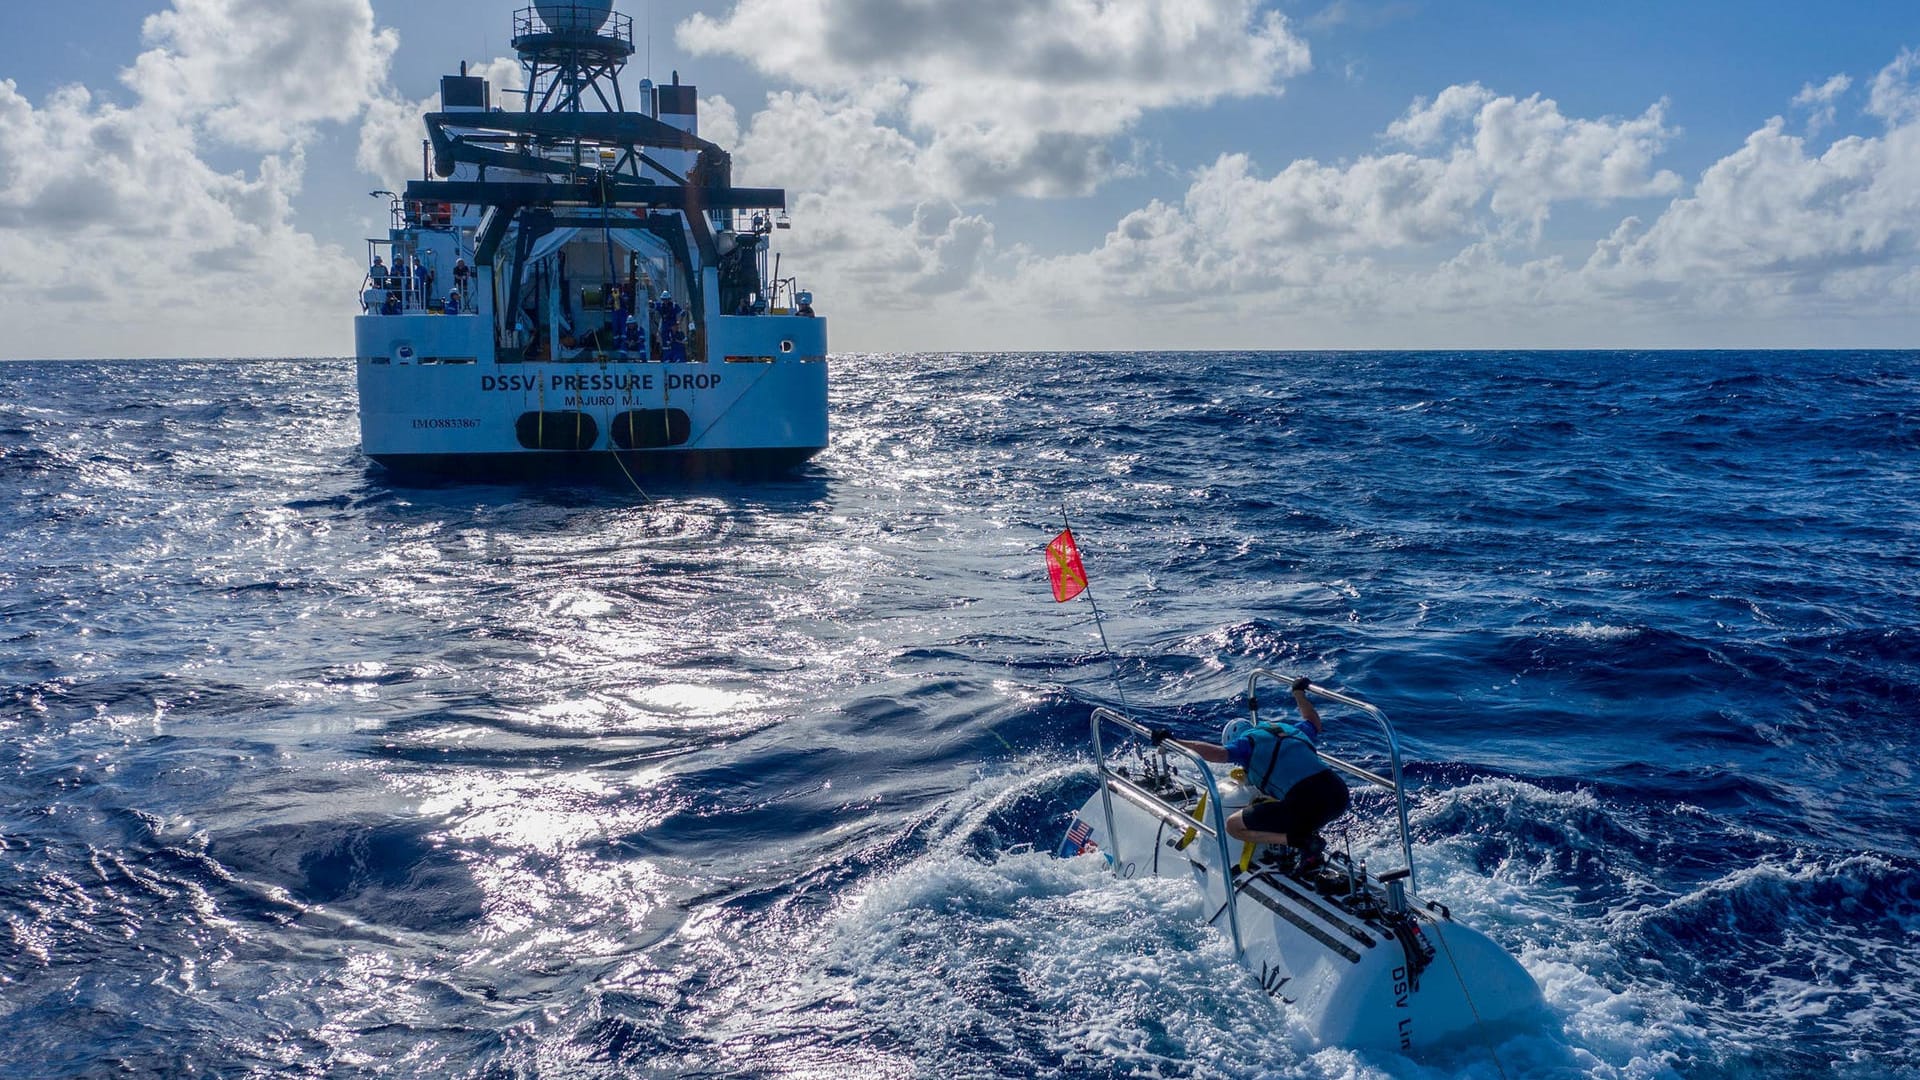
column 750, row 221
column 529, row 21
column 1112, row 780
column 413, row 296
column 1392, row 783
column 369, row 282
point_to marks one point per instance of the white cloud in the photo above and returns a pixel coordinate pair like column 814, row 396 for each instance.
column 845, row 250
column 1826, row 93
column 1893, row 96
column 1775, row 228
column 956, row 244
column 1398, row 200
column 1772, row 231
column 1426, row 123
column 390, row 135
column 806, row 143
column 1475, row 219
column 1819, row 101
column 1012, row 96
column 148, row 244
column 1526, row 155
column 136, row 243
column 1499, row 161
column 1312, row 236
column 868, row 215
column 720, row 123
column 260, row 73
column 907, row 112
column 1771, row 216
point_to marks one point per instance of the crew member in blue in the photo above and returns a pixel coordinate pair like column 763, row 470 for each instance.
column 378, row 272
column 673, row 349
column 1282, row 762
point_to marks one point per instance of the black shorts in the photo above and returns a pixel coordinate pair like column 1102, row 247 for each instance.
column 1307, row 808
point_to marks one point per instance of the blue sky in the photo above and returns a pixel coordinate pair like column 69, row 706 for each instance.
column 190, row 177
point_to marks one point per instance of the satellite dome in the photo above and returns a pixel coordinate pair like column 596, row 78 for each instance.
column 575, row 16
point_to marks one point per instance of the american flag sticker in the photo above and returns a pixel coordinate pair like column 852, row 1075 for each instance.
column 1079, row 839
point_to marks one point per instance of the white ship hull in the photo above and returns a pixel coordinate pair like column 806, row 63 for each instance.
column 429, row 406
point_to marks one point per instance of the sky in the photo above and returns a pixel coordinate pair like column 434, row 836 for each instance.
column 191, row 178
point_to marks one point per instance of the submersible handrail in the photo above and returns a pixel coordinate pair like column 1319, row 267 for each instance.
column 1393, row 751
column 1218, row 828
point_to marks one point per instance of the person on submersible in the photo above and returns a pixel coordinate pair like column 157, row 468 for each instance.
column 1281, row 761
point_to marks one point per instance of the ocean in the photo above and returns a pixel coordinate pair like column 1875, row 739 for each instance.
column 305, row 773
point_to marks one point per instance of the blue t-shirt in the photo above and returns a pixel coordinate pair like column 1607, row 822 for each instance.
column 1240, row 750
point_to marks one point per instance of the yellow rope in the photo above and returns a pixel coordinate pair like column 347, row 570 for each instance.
column 1468, row 994
column 1199, row 814
column 613, row 448
column 623, row 468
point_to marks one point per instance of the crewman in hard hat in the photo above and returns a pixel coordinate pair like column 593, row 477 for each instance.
column 1303, row 794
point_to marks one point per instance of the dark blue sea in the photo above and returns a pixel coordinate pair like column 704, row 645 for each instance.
column 304, row 773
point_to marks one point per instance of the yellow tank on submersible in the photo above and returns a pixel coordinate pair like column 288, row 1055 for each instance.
column 1235, row 792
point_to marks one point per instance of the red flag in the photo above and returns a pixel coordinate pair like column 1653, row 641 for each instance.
column 1063, row 567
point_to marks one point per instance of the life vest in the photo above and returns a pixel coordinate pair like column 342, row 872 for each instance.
column 1283, row 755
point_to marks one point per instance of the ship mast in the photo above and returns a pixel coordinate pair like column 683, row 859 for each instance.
column 574, row 157
column 570, row 49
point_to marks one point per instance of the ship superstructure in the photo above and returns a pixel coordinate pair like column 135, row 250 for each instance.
column 579, row 289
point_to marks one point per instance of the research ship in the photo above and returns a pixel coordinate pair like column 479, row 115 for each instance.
column 576, row 289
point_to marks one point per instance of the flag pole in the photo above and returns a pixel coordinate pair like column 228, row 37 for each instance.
column 1099, row 624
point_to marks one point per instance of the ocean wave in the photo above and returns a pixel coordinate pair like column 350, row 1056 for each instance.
column 306, row 771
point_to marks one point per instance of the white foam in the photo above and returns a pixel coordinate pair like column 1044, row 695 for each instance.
column 1588, row 631
column 1099, row 972
column 1023, row 964
column 1812, row 966
column 1034, row 964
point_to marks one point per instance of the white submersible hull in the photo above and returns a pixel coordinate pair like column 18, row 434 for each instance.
column 1360, row 958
